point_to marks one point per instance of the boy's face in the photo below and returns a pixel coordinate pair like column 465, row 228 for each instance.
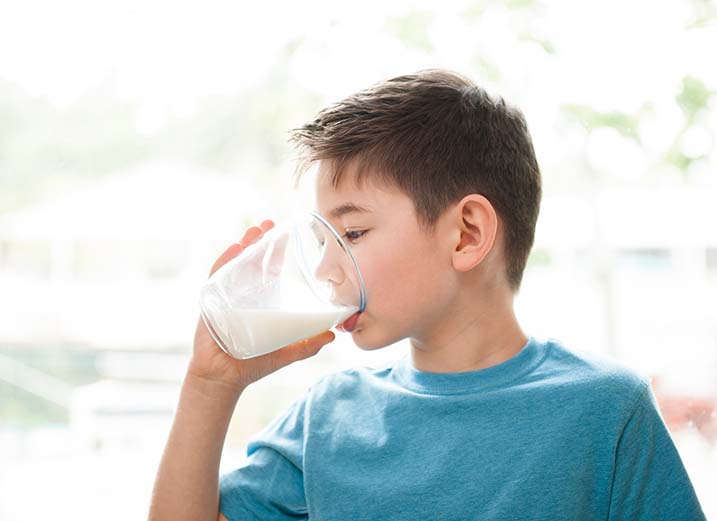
column 408, row 274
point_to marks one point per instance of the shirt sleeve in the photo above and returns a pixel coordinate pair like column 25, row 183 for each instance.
column 650, row 481
column 270, row 485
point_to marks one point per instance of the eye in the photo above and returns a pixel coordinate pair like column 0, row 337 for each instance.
column 353, row 235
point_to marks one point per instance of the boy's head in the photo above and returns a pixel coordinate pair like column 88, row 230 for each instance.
column 441, row 163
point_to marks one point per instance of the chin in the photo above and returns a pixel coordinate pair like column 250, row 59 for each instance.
column 369, row 340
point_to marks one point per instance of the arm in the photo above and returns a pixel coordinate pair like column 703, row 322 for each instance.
column 186, row 486
column 649, row 480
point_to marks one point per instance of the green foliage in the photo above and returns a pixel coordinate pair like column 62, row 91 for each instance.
column 704, row 13
column 412, row 29
column 693, row 100
column 625, row 124
column 228, row 133
column 547, row 46
column 44, row 148
column 520, row 4
column 39, row 141
column 693, row 97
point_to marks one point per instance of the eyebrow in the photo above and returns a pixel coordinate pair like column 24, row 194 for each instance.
column 347, row 208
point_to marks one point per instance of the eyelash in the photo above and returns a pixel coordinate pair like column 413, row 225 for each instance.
column 359, row 232
column 346, row 237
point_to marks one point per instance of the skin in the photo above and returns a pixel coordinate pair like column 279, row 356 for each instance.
column 446, row 292
column 187, row 482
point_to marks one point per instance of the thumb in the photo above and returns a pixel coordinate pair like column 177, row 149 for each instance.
column 306, row 348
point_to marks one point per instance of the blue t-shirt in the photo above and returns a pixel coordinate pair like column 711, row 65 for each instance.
column 548, row 434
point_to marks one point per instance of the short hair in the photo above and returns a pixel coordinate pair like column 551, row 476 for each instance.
column 436, row 136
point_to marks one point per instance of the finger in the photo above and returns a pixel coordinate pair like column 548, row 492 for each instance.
column 275, row 360
column 231, row 252
column 251, row 235
column 266, row 225
column 308, row 347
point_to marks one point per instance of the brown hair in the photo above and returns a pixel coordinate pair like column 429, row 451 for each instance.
column 436, row 136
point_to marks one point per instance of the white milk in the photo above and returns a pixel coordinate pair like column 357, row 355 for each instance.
column 254, row 332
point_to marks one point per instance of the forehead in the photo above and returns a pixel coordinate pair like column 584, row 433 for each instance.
column 371, row 194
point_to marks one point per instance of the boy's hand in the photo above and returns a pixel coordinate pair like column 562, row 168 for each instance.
column 212, row 365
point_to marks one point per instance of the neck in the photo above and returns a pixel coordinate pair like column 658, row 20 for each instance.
column 470, row 336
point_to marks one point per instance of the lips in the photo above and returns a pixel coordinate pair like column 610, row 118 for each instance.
column 349, row 324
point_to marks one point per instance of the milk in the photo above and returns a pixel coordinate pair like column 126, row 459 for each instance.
column 253, row 332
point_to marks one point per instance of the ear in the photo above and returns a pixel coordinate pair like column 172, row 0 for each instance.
column 477, row 226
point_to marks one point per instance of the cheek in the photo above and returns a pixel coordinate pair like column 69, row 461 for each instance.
column 378, row 275
column 399, row 282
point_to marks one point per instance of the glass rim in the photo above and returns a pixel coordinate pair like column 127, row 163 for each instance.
column 345, row 247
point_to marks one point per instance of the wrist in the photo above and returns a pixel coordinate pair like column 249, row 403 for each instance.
column 212, row 388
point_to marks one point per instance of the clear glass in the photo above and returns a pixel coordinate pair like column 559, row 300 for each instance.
column 298, row 280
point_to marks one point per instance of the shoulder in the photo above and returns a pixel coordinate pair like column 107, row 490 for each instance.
column 596, row 377
column 594, row 368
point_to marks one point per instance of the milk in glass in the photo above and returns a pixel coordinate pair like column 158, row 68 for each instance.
column 251, row 332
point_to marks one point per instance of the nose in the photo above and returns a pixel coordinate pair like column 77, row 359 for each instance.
column 330, row 267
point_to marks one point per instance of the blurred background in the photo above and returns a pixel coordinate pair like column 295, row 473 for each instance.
column 139, row 139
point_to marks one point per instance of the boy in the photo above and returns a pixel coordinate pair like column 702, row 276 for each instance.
column 436, row 186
